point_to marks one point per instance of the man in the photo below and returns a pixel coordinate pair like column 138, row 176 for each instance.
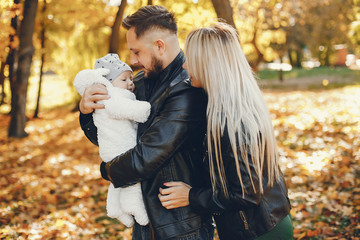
column 169, row 145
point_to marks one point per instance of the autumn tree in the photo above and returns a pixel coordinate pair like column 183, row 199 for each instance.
column 9, row 44
column 77, row 35
column 42, row 39
column 354, row 33
column 190, row 14
column 114, row 38
column 355, row 36
column 296, row 30
column 328, row 24
column 4, row 42
column 26, row 50
column 12, row 59
column 224, row 11
column 256, row 19
column 318, row 25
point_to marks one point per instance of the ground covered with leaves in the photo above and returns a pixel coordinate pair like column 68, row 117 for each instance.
column 50, row 186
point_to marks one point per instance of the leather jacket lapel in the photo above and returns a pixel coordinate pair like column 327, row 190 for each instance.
column 162, row 84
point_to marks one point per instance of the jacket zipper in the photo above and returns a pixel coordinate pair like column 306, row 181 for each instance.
column 243, row 217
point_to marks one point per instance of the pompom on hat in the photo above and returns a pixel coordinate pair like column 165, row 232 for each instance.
column 112, row 62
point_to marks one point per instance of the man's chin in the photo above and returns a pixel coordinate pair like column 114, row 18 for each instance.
column 148, row 74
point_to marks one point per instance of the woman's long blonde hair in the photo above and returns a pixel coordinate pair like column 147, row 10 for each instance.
column 214, row 57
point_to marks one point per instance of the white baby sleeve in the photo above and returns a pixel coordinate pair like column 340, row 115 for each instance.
column 87, row 77
column 120, row 107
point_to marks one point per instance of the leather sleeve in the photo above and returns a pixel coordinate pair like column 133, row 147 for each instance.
column 204, row 200
column 182, row 112
column 89, row 128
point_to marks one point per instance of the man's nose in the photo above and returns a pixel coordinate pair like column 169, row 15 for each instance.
column 134, row 60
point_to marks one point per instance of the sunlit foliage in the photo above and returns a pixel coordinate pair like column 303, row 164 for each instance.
column 8, row 10
column 50, row 185
column 318, row 135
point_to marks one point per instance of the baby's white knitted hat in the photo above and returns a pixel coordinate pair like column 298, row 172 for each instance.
column 112, row 62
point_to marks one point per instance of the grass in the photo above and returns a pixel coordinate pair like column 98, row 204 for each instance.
column 301, row 73
column 328, row 87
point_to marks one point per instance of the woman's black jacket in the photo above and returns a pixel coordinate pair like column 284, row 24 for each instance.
column 239, row 217
column 169, row 147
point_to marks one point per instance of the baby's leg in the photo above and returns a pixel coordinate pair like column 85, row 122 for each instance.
column 133, row 203
column 114, row 208
column 112, row 202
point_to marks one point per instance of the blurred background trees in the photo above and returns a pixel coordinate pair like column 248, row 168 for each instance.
column 70, row 34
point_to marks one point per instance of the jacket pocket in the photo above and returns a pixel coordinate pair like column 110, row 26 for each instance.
column 189, row 236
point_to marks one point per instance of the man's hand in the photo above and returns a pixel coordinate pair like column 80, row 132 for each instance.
column 175, row 196
column 92, row 94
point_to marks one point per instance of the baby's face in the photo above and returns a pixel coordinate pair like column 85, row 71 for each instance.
column 124, row 80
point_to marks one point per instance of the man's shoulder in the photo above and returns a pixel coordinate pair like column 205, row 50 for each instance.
column 181, row 85
column 182, row 80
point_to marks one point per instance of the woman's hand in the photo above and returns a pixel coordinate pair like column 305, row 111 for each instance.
column 175, row 196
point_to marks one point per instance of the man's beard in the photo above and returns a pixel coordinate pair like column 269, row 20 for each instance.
column 156, row 67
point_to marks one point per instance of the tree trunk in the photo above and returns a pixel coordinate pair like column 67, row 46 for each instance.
column 150, row 2
column 260, row 57
column 26, row 50
column 2, row 82
column 290, row 53
column 42, row 60
column 114, row 39
column 327, row 54
column 224, row 10
column 12, row 58
column 281, row 77
column 298, row 58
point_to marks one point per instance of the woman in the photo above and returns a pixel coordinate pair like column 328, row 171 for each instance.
column 247, row 195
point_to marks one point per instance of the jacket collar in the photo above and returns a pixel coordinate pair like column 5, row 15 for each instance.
column 172, row 69
column 162, row 80
column 156, row 87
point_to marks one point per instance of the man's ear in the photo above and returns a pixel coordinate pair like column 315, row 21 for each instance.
column 159, row 46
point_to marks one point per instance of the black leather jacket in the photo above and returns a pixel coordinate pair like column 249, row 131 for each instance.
column 169, row 147
column 241, row 217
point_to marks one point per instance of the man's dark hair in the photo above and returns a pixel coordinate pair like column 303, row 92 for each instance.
column 150, row 17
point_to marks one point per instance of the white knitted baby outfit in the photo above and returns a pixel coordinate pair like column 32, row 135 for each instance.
column 116, row 129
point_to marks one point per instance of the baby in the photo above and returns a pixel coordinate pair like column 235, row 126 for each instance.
column 117, row 129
